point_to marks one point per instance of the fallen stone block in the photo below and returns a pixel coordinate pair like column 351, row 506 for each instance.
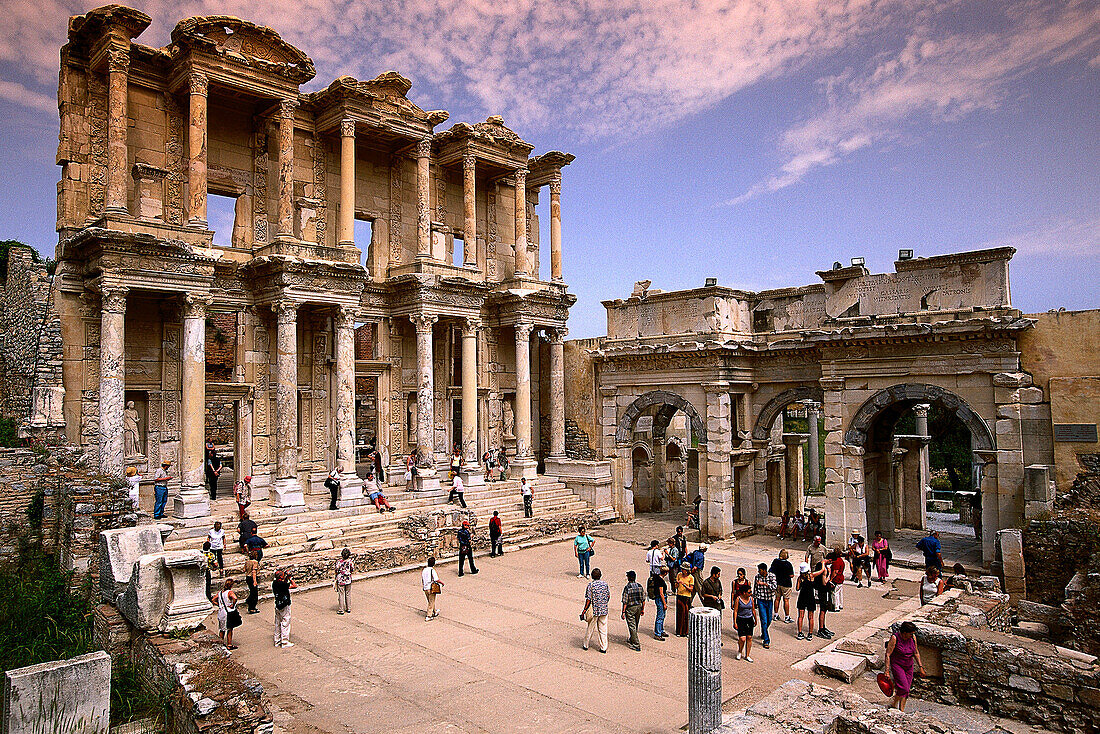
column 840, row 665
column 118, row 549
column 872, row 650
column 167, row 592
column 1033, row 630
column 63, row 695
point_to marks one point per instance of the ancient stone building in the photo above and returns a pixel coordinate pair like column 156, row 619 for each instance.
column 689, row 392
column 297, row 275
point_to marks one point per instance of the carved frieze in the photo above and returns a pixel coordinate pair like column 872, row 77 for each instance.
column 395, row 210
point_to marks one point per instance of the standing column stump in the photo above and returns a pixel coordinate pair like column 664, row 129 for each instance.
column 704, row 670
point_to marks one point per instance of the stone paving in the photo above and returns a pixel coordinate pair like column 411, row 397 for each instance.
column 506, row 653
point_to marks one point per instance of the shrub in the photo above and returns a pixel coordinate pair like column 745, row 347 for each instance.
column 9, row 434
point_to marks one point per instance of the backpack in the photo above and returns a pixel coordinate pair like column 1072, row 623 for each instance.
column 651, row 588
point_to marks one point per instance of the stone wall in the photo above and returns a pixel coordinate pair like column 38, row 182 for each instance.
column 581, row 419
column 23, row 485
column 1054, row 551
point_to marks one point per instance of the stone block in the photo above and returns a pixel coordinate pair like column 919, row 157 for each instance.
column 1012, row 379
column 1033, row 630
column 118, row 549
column 167, row 592
column 1031, row 395
column 72, row 696
column 1024, row 683
column 1010, row 553
column 840, row 665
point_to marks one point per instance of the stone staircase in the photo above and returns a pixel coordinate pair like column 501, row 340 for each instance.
column 313, row 536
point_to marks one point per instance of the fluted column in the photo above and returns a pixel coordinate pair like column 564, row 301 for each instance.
column 521, row 223
column 423, row 198
column 112, row 379
column 193, row 499
column 469, row 209
column 704, row 670
column 287, row 489
column 346, row 229
column 469, row 391
column 345, row 389
column 523, row 390
column 118, row 72
column 196, row 150
column 557, row 393
column 813, row 412
column 555, row 227
column 286, row 168
column 425, row 389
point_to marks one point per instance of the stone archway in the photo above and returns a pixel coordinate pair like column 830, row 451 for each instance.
column 905, row 395
column 662, row 398
column 776, row 405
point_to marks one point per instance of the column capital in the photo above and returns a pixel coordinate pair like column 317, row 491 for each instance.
column 286, row 311
column 347, row 128
column 921, row 410
column 831, row 383
column 114, row 299
column 118, row 60
column 470, row 327
column 197, row 83
column 521, row 176
column 812, row 407
column 469, row 162
column 523, row 330
column 555, row 183
column 195, row 305
column 423, row 322
column 424, row 148
column 287, row 107
column 345, row 317
column 557, row 336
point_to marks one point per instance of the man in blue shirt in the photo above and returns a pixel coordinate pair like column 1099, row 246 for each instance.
column 465, row 548
column 697, row 559
column 930, row 546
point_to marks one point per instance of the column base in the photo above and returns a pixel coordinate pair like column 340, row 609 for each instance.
column 471, row 476
column 191, row 502
column 427, row 480
column 287, row 492
column 526, row 467
column 351, row 492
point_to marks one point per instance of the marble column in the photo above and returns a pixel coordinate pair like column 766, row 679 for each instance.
column 118, row 68
column 351, row 488
column 524, row 464
column 813, row 413
column 793, row 499
column 555, row 227
column 423, row 199
column 704, row 670
column 469, row 391
column 521, row 222
column 112, row 379
column 193, row 499
column 469, row 209
column 425, row 389
column 557, row 393
column 196, row 151
column 920, row 413
column 287, row 490
column 285, row 227
column 346, row 229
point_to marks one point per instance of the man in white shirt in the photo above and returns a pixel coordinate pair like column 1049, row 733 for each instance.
column 655, row 557
column 457, row 488
column 430, row 580
column 217, row 543
column 528, row 497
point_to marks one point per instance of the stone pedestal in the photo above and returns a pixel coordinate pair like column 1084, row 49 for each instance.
column 523, row 468
column 61, row 695
column 351, row 492
column 287, row 492
column 704, row 670
column 167, row 591
column 427, row 480
column 472, row 476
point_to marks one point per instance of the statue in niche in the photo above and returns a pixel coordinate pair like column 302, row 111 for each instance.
column 130, row 420
column 509, row 420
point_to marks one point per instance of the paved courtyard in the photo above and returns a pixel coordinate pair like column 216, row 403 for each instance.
column 505, row 656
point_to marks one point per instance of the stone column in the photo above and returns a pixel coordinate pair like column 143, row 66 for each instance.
column 924, row 470
column 716, row 509
column 287, row 490
column 469, row 208
column 469, row 391
column 813, row 413
column 196, row 151
column 118, row 68
column 555, row 227
column 704, row 670
column 112, row 379
column 193, row 499
column 285, row 226
column 920, row 412
column 524, row 464
column 425, row 390
column 346, row 229
column 521, row 222
column 423, row 199
column 351, row 488
column 793, row 500
column 557, row 393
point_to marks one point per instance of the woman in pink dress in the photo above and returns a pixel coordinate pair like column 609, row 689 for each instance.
column 901, row 651
column 881, row 547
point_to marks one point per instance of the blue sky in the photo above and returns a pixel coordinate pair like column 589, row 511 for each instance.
column 755, row 142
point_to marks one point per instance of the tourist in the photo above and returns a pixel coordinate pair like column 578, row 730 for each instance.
column 861, row 559
column 672, row 558
column 410, row 470
column 216, row 538
column 657, row 590
column 344, row 568
column 655, row 557
column 528, row 493
column 228, row 616
column 685, row 589
column 850, row 552
column 784, row 578
column 881, row 548
column 252, row 578
column 739, row 582
column 466, row 547
column 333, row 482
column 242, row 494
column 255, row 544
column 489, row 460
column 710, row 591
column 374, row 458
column 457, row 488
column 432, row 588
column 806, row 600
column 583, row 548
column 502, row 463
column 810, row 529
column 931, row 585
column 901, row 650
column 280, row 589
column 832, row 590
column 764, row 585
column 134, row 480
column 798, row 526
column 246, row 528
column 456, row 461
column 976, row 513
column 698, row 559
column 745, row 619
column 597, row 597
column 496, row 536
column 680, row 541
column 213, row 468
column 784, row 524
column 211, row 563
column 377, row 496
column 160, row 488
column 933, row 551
column 633, row 608
column 959, row 579
column 815, row 554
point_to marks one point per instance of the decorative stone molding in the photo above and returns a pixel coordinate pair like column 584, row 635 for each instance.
column 423, row 322
column 347, row 128
column 287, row 108
column 286, row 311
column 555, row 184
column 114, row 299
column 118, row 60
column 195, row 305
column 197, row 84
column 523, row 331
column 424, row 148
column 470, row 327
column 556, row 336
column 345, row 317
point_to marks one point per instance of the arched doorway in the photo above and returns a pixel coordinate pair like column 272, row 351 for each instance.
column 899, row 430
column 786, row 436
column 641, row 463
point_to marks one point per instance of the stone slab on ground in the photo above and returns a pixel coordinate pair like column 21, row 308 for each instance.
column 840, row 665
column 73, row 696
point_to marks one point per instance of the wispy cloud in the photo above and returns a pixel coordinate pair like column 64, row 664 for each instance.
column 20, row 95
column 1071, row 237
column 934, row 77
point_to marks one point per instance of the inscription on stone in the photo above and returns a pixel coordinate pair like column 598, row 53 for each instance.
column 1075, row 432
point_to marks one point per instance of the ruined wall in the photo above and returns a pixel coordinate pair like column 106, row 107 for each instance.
column 581, row 416
column 23, row 483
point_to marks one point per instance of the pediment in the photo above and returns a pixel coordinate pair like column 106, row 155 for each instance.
column 251, row 44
